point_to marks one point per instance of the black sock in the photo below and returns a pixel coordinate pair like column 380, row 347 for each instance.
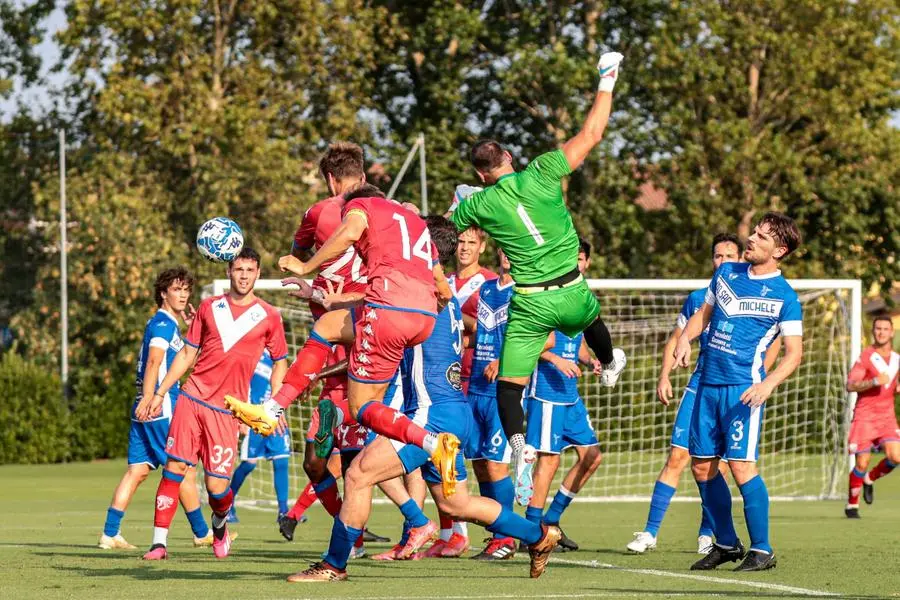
column 599, row 341
column 509, row 405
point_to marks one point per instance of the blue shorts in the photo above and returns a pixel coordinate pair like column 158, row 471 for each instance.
column 724, row 427
column 681, row 429
column 449, row 417
column 256, row 446
column 147, row 443
column 487, row 441
column 551, row 428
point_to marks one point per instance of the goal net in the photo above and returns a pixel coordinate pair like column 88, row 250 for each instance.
column 802, row 450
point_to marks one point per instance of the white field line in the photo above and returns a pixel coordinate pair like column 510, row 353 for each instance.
column 598, row 594
column 775, row 587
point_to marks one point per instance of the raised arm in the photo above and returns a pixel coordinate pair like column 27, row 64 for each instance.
column 349, row 232
column 578, row 147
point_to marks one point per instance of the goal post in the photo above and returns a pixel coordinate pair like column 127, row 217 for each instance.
column 803, row 443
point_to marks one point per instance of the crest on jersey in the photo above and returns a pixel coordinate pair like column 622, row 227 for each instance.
column 170, row 442
column 454, row 376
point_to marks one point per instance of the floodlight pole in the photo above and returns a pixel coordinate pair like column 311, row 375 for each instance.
column 422, row 175
column 63, row 273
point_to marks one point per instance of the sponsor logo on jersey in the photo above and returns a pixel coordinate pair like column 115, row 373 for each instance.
column 491, row 318
column 454, row 376
column 164, row 502
column 363, row 358
column 222, row 469
column 736, row 306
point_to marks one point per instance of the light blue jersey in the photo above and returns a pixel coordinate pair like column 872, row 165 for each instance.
column 161, row 332
column 493, row 308
column 748, row 313
column 549, row 384
column 431, row 371
column 260, row 384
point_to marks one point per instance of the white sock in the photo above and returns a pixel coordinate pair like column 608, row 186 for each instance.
column 272, row 408
column 517, row 442
column 445, row 534
column 338, row 416
column 160, row 535
column 431, row 443
column 866, row 479
column 461, row 527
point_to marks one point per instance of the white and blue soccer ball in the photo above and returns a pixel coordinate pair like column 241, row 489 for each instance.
column 220, row 239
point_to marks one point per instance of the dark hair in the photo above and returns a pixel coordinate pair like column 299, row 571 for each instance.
column 477, row 231
column 721, row 238
column 584, row 247
column 167, row 278
column 487, row 155
column 444, row 235
column 248, row 253
column 343, row 160
column 783, row 229
column 366, row 190
column 882, row 317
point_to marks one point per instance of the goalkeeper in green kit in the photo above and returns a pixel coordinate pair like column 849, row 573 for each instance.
column 527, row 216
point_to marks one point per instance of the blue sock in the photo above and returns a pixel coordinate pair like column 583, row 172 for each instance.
column 659, row 504
column 859, row 473
column 756, row 513
column 534, row 514
column 113, row 520
column 198, row 523
column 706, row 525
column 280, row 467
column 509, row 524
column 342, row 539
column 237, row 480
column 561, row 502
column 404, row 537
column 413, row 513
column 717, row 500
column 503, row 491
column 325, row 483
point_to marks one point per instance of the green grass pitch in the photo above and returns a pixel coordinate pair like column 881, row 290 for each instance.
column 51, row 516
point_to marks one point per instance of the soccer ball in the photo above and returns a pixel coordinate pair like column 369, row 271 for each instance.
column 220, row 239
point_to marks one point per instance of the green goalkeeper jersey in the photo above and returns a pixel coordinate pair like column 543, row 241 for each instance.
column 527, row 216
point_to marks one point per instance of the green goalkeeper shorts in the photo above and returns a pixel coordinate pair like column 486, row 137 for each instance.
column 533, row 316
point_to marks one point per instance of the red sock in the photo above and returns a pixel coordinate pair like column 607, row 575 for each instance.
column 221, row 504
column 881, row 469
column 344, row 406
column 856, row 484
column 166, row 501
column 446, row 522
column 310, row 360
column 329, row 496
column 386, row 421
column 359, row 541
column 306, row 499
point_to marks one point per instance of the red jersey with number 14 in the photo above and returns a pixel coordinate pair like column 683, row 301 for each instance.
column 398, row 253
column 876, row 402
column 231, row 338
column 319, row 223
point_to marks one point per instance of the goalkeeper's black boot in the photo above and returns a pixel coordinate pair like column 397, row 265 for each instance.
column 719, row 556
column 868, row 492
column 286, row 526
column 368, row 536
column 852, row 513
column 566, row 544
column 757, row 561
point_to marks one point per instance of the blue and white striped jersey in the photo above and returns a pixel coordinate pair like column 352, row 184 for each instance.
column 549, row 384
column 260, row 386
column 493, row 309
column 748, row 313
column 692, row 304
column 432, row 370
column 161, row 332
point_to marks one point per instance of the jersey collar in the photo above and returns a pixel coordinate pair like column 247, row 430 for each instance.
column 168, row 314
column 775, row 273
column 502, row 177
column 500, row 286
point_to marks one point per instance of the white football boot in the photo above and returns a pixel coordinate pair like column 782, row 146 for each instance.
column 642, row 542
column 611, row 371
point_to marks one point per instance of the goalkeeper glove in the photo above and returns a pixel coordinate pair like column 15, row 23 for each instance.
column 608, row 67
column 462, row 192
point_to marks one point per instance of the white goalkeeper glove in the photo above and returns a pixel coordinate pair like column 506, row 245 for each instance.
column 608, row 67
column 462, row 192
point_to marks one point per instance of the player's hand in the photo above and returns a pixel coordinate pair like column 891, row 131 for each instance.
column 332, row 296
column 664, row 390
column 304, row 293
column 411, row 207
column 461, row 193
column 596, row 366
column 756, row 394
column 683, row 352
column 491, row 371
column 142, row 412
column 883, row 378
column 282, row 425
column 568, row 368
column 608, row 67
column 154, row 409
column 188, row 314
column 292, row 264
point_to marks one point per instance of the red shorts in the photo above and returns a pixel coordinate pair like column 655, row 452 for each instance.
column 866, row 434
column 350, row 436
column 200, row 433
column 382, row 334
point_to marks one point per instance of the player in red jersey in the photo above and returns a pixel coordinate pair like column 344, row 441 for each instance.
column 465, row 285
column 229, row 333
column 399, row 312
column 875, row 378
